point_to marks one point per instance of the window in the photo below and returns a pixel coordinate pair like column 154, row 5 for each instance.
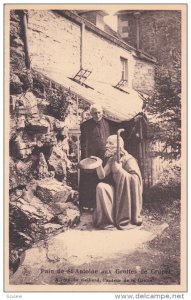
column 124, row 68
column 81, row 76
column 124, row 75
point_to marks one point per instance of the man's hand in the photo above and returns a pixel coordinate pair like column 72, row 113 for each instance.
column 115, row 166
column 94, row 157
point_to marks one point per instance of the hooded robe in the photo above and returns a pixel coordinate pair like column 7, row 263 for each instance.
column 120, row 203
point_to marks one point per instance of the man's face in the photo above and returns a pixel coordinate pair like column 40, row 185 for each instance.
column 111, row 147
column 97, row 114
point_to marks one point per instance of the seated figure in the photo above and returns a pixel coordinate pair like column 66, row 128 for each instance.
column 118, row 201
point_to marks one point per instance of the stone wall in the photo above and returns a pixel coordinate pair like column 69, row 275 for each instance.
column 54, row 44
column 127, row 28
column 103, row 58
column 160, row 31
column 144, row 77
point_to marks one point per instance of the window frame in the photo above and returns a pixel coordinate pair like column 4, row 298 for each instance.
column 124, row 68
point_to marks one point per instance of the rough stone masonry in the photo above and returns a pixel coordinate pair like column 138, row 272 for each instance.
column 40, row 205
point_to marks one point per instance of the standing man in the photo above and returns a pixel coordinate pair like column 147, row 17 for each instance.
column 94, row 134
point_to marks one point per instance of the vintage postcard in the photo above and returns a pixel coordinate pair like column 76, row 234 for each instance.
column 95, row 125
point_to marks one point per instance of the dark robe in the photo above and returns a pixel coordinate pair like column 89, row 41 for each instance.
column 93, row 140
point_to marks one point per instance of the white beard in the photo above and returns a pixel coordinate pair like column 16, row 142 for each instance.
column 110, row 152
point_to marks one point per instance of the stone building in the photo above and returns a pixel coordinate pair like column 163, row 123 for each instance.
column 67, row 60
column 77, row 50
column 63, row 44
column 61, row 62
column 157, row 32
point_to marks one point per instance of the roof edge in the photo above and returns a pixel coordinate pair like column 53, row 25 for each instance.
column 79, row 20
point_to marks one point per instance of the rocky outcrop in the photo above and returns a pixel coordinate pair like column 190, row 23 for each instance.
column 53, row 191
column 40, row 205
column 19, row 173
column 33, row 219
column 36, row 197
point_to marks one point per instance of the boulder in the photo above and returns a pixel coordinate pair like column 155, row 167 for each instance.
column 15, row 80
column 15, row 84
column 24, row 101
column 42, row 231
column 26, row 238
column 42, row 168
column 59, row 125
column 18, row 51
column 27, row 79
column 43, row 106
column 37, row 209
column 74, row 197
column 19, row 173
column 63, row 207
column 52, row 228
column 37, row 125
column 69, row 218
column 51, row 190
column 15, row 30
column 17, row 42
column 16, row 63
column 58, row 160
column 14, row 16
column 30, row 100
column 32, row 204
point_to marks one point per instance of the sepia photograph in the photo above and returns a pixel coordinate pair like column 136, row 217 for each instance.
column 95, row 149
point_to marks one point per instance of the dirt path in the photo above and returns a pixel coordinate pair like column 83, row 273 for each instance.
column 82, row 256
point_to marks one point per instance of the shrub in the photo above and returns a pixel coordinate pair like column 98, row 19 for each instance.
column 168, row 187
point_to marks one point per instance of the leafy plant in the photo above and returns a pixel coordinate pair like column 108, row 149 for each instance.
column 165, row 107
column 168, row 187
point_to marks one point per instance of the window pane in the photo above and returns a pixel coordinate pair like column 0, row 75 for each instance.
column 124, row 64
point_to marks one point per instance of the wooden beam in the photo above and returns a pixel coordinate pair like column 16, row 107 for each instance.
column 25, row 25
column 82, row 45
column 137, row 15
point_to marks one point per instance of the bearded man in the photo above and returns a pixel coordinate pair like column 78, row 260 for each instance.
column 118, row 203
